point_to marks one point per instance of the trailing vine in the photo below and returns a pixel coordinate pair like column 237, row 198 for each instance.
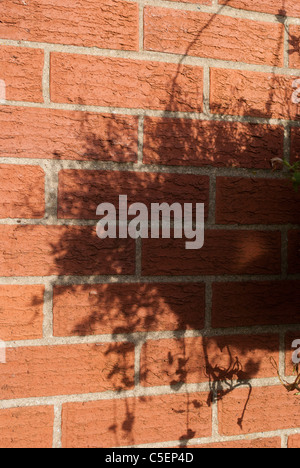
column 293, row 170
column 291, row 387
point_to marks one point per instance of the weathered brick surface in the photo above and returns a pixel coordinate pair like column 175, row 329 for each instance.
column 110, row 24
column 189, row 101
column 256, row 201
column 265, row 443
column 187, row 142
column 294, row 441
column 294, row 56
column 254, row 94
column 21, row 69
column 84, row 79
column 68, row 369
column 127, row 308
column 60, row 134
column 293, row 251
column 275, row 7
column 135, row 421
column 21, row 312
column 253, row 303
column 80, row 192
column 224, row 252
column 295, row 144
column 193, row 360
column 62, row 250
column 202, row 2
column 267, row 409
column 201, row 34
column 22, row 191
column 30, row 427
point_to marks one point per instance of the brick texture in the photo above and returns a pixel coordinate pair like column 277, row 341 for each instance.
column 293, row 251
column 193, row 360
column 256, row 201
column 22, row 191
column 84, row 79
column 21, row 70
column 279, row 411
column 68, row 369
column 110, row 24
column 294, row 48
column 135, row 421
column 224, row 252
column 187, row 142
column 253, row 94
column 56, row 134
column 80, row 192
column 202, row 2
column 275, row 7
column 21, row 312
column 122, row 342
column 295, row 144
column 127, row 308
column 294, row 441
column 202, row 35
column 265, row 443
column 255, row 303
column 26, row 427
column 62, row 250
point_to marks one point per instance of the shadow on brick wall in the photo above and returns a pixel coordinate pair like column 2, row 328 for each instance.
column 121, row 309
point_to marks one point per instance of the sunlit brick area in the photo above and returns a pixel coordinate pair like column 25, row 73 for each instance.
column 123, row 342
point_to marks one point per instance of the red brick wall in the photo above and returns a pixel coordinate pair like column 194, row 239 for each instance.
column 129, row 343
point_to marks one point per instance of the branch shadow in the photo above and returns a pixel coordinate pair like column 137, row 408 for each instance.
column 118, row 309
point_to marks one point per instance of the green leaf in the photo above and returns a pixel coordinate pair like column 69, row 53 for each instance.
column 296, row 180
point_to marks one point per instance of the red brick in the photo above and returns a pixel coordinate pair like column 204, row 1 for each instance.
column 275, row 7
column 134, row 421
column 80, row 192
column 294, row 45
column 21, row 312
column 62, row 250
column 213, row 36
column 265, row 409
column 186, row 142
column 127, row 308
column 263, row 443
column 254, row 94
column 224, row 252
column 295, row 144
column 242, row 304
column 38, row 371
column 137, row 84
column 108, row 24
column 256, row 201
column 22, row 191
column 30, row 427
column 22, row 71
column 294, row 441
column 202, row 2
column 196, row 360
column 294, row 251
column 57, row 134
